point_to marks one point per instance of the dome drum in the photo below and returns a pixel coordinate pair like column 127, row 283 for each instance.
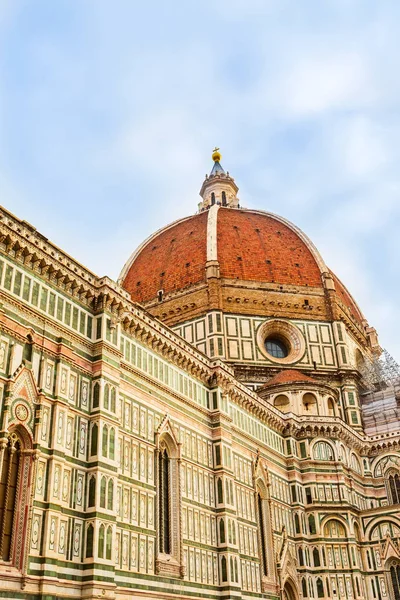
column 291, row 391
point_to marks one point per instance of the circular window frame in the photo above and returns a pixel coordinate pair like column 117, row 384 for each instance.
column 289, row 334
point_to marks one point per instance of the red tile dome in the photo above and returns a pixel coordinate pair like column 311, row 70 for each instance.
column 247, row 247
column 251, row 246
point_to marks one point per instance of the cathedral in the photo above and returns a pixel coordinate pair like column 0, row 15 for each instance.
column 219, row 423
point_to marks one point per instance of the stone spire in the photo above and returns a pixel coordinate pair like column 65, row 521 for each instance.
column 218, row 187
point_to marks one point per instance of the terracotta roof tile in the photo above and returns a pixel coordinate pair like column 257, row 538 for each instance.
column 288, row 376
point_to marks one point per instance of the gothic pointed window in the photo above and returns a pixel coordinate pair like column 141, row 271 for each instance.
column 222, row 531
column 168, row 505
column 261, row 527
column 112, row 444
column 212, row 198
column 395, row 578
column 297, row 523
column 311, row 525
column 110, row 495
column 93, row 441
column 113, row 394
column 106, row 396
column 103, row 485
column 219, row 491
column 109, row 543
column 9, row 495
column 105, row 441
column 223, row 199
column 224, row 573
column 320, row 588
column 317, row 562
column 301, row 557
column 92, row 491
column 89, row 541
column 163, row 508
column 96, row 395
column 100, row 549
column 393, row 487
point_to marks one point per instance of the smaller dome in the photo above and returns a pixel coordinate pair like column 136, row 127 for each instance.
column 288, row 376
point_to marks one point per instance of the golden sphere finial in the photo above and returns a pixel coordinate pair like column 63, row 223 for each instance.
column 216, row 155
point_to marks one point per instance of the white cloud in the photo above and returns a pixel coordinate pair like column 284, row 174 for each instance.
column 325, row 83
column 119, row 123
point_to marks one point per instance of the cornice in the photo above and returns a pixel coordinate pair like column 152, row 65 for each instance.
column 25, row 245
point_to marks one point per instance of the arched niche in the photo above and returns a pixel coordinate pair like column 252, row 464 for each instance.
column 310, row 404
column 331, row 407
column 282, row 403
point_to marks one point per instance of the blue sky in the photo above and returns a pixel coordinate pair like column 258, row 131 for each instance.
column 109, row 111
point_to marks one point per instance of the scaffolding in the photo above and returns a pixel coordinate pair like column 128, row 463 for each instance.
column 380, row 373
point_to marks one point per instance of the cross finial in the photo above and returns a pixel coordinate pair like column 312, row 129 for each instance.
column 216, row 156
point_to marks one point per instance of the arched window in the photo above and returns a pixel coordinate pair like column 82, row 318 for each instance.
column 111, row 454
column 113, row 393
column 163, row 506
column 106, row 396
column 96, row 395
column 311, row 524
column 301, row 557
column 316, row 559
column 393, row 487
column 334, row 529
column 355, row 463
column 323, row 451
column 109, row 543
column 224, row 573
column 169, row 544
column 261, row 528
column 297, row 523
column 100, row 544
column 212, row 198
column 9, row 494
column 304, row 587
column 104, row 444
column 222, row 531
column 92, row 491
column 89, row 541
column 219, row 491
column 103, row 486
column 110, row 495
column 395, row 577
column 320, row 588
column 93, row 441
column 223, row 199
